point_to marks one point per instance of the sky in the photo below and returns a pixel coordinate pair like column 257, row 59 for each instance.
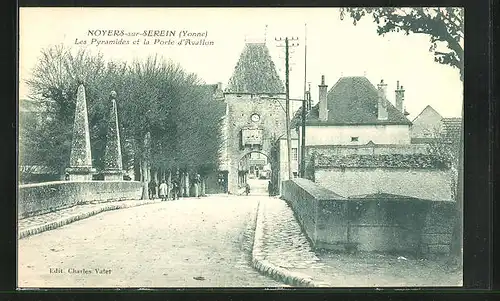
column 335, row 48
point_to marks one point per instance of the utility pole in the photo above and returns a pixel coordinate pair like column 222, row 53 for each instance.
column 305, row 60
column 309, row 105
column 303, row 140
column 287, row 107
column 303, row 131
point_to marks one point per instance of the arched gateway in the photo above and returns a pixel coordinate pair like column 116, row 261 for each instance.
column 255, row 116
column 255, row 122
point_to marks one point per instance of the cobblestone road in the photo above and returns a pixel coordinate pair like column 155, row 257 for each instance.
column 191, row 242
column 286, row 246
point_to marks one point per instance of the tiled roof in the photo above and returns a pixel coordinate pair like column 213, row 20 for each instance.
column 209, row 88
column 296, row 121
column 354, row 101
column 451, row 129
column 255, row 72
column 380, row 161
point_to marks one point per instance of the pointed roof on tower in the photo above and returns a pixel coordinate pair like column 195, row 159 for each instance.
column 255, row 72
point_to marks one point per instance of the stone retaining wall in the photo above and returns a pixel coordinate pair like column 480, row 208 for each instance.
column 438, row 228
column 380, row 223
column 34, row 199
column 305, row 197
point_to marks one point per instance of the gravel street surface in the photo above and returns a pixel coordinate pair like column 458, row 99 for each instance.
column 43, row 219
column 186, row 243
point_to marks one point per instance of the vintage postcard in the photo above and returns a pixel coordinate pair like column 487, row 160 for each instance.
column 240, row 147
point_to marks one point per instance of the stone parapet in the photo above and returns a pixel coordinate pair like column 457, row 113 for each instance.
column 34, row 199
column 373, row 223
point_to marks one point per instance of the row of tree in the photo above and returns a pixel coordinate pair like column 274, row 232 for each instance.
column 168, row 118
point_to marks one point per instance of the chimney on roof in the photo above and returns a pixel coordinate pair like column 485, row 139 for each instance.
column 323, row 103
column 219, row 86
column 400, row 97
column 382, row 101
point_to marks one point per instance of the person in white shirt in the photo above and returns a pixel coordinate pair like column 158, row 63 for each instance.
column 163, row 190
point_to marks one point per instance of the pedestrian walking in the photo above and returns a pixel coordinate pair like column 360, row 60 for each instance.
column 152, row 189
column 163, row 190
column 175, row 188
column 196, row 185
column 169, row 188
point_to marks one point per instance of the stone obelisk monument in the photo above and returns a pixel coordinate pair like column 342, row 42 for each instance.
column 113, row 166
column 81, row 158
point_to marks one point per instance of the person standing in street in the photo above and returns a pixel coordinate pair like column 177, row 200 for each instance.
column 169, row 188
column 163, row 191
column 152, row 189
column 196, row 184
column 175, row 188
column 270, row 188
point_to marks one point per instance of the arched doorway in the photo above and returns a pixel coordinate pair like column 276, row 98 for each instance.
column 255, row 169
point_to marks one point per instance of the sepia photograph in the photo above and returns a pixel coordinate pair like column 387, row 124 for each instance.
column 240, row 147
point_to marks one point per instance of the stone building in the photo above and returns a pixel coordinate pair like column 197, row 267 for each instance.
column 354, row 112
column 430, row 126
column 407, row 170
column 255, row 118
column 282, row 158
column 426, row 125
column 359, row 143
column 254, row 123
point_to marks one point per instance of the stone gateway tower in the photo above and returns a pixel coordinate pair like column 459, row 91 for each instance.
column 255, row 115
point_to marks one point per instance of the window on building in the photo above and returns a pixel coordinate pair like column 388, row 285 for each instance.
column 294, row 174
column 295, row 154
column 354, row 139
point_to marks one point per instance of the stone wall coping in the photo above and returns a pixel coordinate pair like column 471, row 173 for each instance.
column 392, row 198
column 409, row 169
column 67, row 182
column 372, row 145
column 316, row 191
column 38, row 198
